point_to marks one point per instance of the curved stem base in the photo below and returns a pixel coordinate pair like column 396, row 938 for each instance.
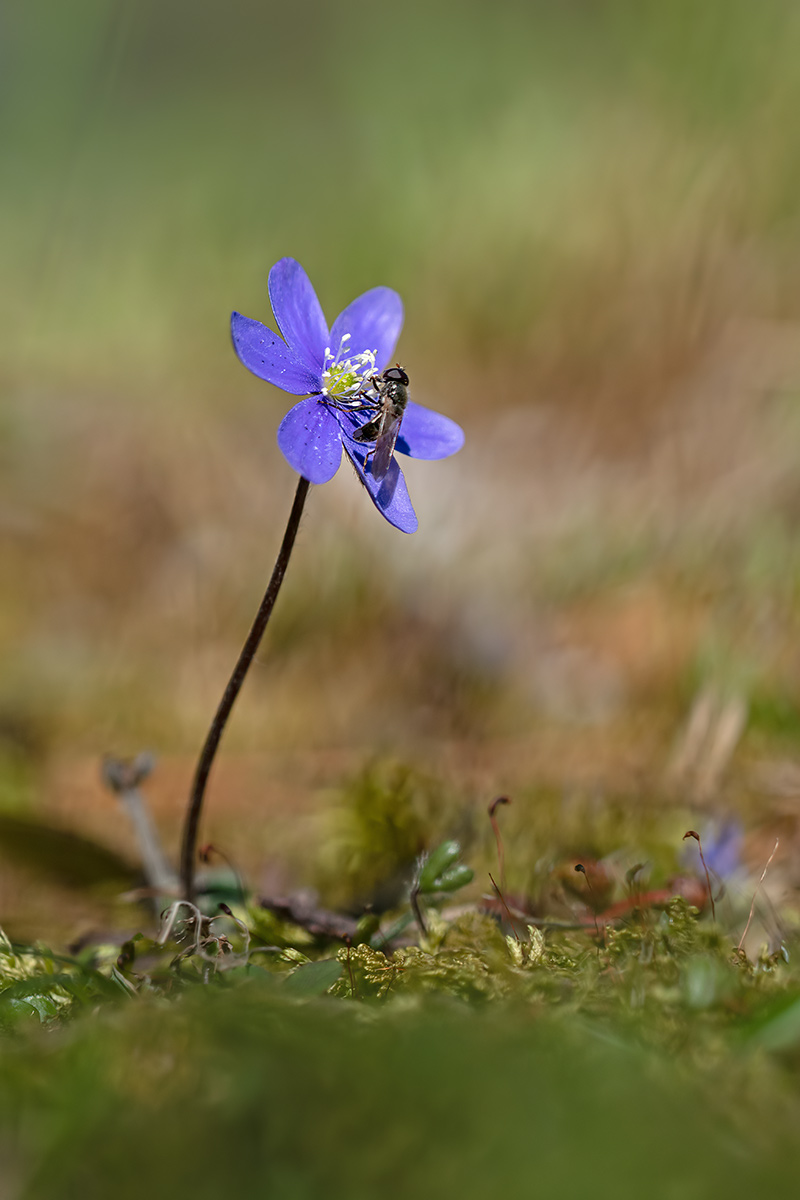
column 207, row 754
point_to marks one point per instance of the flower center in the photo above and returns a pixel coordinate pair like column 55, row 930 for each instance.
column 343, row 377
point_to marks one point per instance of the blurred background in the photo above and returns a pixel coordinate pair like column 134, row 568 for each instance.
column 591, row 210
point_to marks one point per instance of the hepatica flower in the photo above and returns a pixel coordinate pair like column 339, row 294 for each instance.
column 334, row 369
column 353, row 401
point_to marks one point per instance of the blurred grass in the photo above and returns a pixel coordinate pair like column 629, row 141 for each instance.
column 561, row 189
column 574, row 201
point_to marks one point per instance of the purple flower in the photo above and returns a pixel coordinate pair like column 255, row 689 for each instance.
column 333, row 369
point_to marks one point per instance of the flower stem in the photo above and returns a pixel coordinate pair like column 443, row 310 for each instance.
column 228, row 700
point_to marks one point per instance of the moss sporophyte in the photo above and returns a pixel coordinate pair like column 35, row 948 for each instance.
column 353, row 401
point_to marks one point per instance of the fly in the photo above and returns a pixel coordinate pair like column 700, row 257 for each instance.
column 391, row 390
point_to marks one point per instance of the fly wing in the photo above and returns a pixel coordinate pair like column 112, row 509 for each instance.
column 384, row 448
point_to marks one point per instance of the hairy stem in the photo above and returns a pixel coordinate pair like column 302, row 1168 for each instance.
column 228, row 700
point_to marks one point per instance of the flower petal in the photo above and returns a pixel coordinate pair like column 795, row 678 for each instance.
column 428, row 434
column 298, row 313
column 268, row 357
column 310, row 440
column 390, row 494
column 373, row 321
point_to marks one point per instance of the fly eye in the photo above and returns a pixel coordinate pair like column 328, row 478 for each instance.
column 396, row 375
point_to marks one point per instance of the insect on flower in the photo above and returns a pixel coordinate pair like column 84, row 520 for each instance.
column 391, row 398
column 352, row 399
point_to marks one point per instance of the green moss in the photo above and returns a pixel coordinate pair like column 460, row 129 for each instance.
column 383, row 819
